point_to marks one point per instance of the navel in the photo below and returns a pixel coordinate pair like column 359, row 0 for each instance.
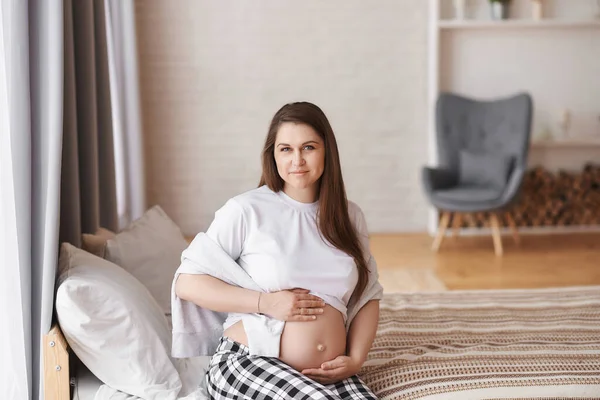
column 320, row 347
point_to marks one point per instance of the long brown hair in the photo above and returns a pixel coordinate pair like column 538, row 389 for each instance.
column 332, row 217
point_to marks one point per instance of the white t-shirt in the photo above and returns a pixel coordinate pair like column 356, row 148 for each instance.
column 275, row 239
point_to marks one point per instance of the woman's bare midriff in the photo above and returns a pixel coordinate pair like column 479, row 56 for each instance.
column 305, row 344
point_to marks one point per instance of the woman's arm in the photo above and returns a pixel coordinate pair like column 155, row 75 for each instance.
column 211, row 293
column 360, row 338
column 362, row 332
column 364, row 325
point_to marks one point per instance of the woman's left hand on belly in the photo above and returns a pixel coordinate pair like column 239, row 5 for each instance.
column 333, row 371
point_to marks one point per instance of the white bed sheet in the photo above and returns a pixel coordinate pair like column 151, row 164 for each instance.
column 192, row 372
column 87, row 385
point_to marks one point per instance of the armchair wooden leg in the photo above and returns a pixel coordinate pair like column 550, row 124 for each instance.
column 456, row 223
column 441, row 231
column 496, row 234
column 513, row 227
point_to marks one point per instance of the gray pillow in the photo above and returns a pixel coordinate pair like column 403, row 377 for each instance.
column 483, row 169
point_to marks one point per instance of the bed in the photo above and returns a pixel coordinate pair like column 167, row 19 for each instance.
column 112, row 310
column 86, row 384
column 502, row 344
column 509, row 344
column 67, row 378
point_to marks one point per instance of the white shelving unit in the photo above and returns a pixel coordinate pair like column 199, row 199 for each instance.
column 512, row 24
column 571, row 143
column 556, row 59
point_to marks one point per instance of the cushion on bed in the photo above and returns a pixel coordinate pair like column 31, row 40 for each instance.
column 95, row 243
column 114, row 326
column 487, row 344
column 150, row 250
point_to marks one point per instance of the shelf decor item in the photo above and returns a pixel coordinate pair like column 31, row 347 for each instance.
column 537, row 9
column 459, row 9
column 499, row 9
column 565, row 124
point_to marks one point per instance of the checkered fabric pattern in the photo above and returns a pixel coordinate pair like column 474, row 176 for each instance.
column 234, row 374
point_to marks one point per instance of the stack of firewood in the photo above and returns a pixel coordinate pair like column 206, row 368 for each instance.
column 552, row 199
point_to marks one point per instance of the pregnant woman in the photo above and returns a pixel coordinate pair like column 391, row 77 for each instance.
column 306, row 246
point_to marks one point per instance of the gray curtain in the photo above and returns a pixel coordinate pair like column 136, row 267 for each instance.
column 57, row 171
column 31, row 94
column 88, row 190
column 126, row 116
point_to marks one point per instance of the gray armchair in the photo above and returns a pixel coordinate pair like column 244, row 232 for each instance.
column 482, row 150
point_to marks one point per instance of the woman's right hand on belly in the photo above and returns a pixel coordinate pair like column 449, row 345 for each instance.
column 292, row 305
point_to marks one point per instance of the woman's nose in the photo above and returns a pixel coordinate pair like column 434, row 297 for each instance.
column 298, row 159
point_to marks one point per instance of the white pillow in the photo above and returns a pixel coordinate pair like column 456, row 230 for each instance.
column 150, row 250
column 114, row 326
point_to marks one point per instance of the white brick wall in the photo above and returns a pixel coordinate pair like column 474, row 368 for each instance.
column 214, row 73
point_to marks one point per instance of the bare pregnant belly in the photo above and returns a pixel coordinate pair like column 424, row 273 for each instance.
column 305, row 344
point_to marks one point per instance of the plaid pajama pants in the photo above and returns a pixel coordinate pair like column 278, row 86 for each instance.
column 234, row 374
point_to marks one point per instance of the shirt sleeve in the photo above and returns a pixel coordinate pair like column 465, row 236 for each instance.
column 228, row 229
column 373, row 289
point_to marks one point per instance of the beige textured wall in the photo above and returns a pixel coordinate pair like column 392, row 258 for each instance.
column 214, row 73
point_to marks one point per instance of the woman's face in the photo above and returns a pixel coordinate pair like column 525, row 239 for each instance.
column 299, row 155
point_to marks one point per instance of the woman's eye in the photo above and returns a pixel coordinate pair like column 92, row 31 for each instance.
column 307, row 147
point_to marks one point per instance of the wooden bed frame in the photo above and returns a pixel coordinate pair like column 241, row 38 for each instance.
column 56, row 365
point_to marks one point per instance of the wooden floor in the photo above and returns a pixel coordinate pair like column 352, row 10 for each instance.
column 468, row 262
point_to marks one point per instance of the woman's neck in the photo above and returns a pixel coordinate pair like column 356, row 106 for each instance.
column 308, row 195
